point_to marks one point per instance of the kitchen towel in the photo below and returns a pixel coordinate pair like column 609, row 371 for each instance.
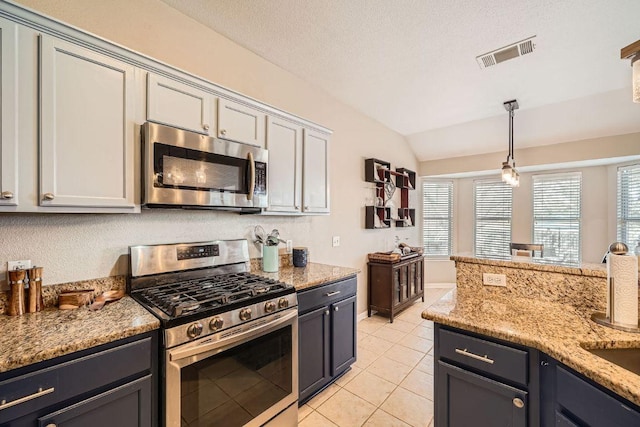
column 623, row 269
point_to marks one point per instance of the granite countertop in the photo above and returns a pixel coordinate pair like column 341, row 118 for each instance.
column 313, row 274
column 560, row 330
column 539, row 264
column 35, row 337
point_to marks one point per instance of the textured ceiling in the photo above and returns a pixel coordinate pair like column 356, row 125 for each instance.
column 411, row 64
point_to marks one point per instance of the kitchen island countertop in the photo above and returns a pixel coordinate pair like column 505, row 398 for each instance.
column 560, row 330
column 35, row 337
column 313, row 274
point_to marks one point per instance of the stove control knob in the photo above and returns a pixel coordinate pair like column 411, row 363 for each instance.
column 270, row 307
column 216, row 323
column 283, row 303
column 245, row 314
column 194, row 330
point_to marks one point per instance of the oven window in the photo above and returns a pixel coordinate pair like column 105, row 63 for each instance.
column 233, row 387
column 177, row 167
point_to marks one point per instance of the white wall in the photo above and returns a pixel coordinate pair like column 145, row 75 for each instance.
column 78, row 247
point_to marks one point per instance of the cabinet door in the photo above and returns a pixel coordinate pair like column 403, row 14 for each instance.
column 464, row 399
column 240, row 123
column 313, row 350
column 8, row 113
column 125, row 406
column 87, row 127
column 284, row 142
column 315, row 170
column 176, row 104
column 343, row 333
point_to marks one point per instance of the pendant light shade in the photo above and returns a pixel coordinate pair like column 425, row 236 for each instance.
column 633, row 52
column 509, row 173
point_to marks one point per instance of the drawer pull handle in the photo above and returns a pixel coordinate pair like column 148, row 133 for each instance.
column 4, row 404
column 475, row 356
column 518, row 403
column 330, row 294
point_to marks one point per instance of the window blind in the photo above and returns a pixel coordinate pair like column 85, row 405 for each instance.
column 437, row 217
column 492, row 210
column 629, row 205
column 557, row 214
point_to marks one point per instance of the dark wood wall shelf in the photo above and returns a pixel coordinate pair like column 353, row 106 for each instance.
column 380, row 216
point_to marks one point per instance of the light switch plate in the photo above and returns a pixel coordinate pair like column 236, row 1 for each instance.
column 336, row 241
column 289, row 246
column 491, row 279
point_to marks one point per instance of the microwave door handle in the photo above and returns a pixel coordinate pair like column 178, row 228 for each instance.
column 252, row 176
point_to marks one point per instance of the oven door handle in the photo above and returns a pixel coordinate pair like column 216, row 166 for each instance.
column 208, row 344
column 252, row 176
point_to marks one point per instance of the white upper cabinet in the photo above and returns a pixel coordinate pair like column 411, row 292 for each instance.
column 315, row 172
column 87, row 103
column 284, row 142
column 8, row 114
column 173, row 103
column 241, row 123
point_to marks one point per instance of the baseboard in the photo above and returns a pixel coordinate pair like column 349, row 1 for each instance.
column 440, row 285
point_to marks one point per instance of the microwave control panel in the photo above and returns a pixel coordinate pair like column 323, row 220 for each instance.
column 261, row 178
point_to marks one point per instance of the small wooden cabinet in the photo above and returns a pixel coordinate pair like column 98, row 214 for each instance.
column 394, row 286
column 326, row 335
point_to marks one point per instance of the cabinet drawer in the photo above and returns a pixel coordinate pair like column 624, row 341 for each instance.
column 591, row 405
column 49, row 386
column 486, row 356
column 326, row 294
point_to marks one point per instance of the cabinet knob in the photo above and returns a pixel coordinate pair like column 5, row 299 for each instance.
column 7, row 195
column 297, row 207
column 48, row 196
column 518, row 403
column 306, row 208
column 336, row 308
column 205, row 127
column 223, row 131
column 326, row 312
column 543, row 363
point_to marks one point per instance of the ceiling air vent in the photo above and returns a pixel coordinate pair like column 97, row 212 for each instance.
column 506, row 53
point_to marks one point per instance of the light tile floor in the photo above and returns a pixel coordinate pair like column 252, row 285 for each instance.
column 391, row 383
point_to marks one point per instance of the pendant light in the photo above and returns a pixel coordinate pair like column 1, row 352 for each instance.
column 633, row 52
column 509, row 173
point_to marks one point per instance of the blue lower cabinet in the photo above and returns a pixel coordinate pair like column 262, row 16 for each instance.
column 482, row 381
column 326, row 335
column 110, row 385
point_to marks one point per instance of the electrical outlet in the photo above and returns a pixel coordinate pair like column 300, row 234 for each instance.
column 19, row 265
column 289, row 246
column 492, row 279
column 336, row 241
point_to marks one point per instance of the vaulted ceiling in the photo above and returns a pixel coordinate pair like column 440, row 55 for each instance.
column 411, row 64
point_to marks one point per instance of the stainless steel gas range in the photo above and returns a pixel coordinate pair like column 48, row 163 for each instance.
column 230, row 338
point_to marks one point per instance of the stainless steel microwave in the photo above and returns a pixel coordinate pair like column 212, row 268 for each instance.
column 189, row 170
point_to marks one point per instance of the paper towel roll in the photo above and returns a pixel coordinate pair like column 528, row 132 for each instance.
column 624, row 271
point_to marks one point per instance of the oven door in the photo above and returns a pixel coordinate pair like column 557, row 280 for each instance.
column 240, row 377
column 188, row 169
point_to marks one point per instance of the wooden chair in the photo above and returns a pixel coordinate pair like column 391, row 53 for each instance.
column 527, row 249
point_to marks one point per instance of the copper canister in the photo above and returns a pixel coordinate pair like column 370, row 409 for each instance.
column 16, row 300
column 34, row 299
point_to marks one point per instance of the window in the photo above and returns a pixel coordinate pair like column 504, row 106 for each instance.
column 437, row 217
column 492, row 209
column 629, row 205
column 556, row 215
